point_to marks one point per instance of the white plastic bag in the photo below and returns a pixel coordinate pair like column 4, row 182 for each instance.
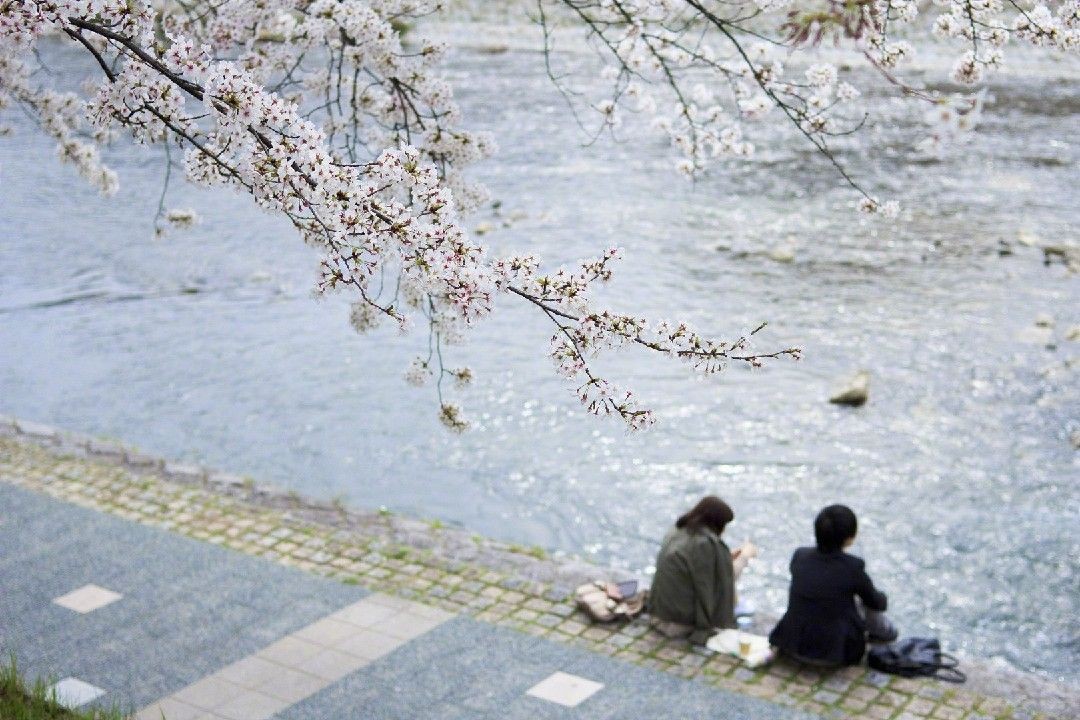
column 728, row 642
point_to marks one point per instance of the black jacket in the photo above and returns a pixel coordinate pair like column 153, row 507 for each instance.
column 822, row 622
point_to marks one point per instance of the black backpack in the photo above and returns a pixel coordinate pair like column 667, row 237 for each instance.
column 916, row 657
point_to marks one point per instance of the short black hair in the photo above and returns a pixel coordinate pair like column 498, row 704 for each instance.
column 834, row 526
column 710, row 512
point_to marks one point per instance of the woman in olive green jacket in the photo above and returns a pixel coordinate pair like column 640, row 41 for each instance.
column 693, row 591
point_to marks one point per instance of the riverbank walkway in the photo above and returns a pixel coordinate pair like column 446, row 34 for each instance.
column 188, row 629
column 180, row 600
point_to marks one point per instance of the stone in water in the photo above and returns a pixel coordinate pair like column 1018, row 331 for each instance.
column 783, row 254
column 856, row 391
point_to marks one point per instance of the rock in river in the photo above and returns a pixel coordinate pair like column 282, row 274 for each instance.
column 782, row 254
column 855, row 392
column 1036, row 335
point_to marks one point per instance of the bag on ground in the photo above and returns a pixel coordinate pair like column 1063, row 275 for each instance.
column 916, row 657
column 605, row 601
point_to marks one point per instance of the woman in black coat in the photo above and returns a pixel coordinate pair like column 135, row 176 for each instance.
column 824, row 623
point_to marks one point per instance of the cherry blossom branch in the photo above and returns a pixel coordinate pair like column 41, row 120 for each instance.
column 697, row 350
column 318, row 111
column 653, row 43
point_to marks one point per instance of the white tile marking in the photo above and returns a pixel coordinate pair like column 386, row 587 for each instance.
column 87, row 599
column 73, row 692
column 565, row 689
column 303, row 663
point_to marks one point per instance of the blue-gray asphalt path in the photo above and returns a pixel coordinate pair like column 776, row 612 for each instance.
column 466, row 669
column 188, row 607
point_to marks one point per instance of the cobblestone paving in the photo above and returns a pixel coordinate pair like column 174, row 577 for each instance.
column 112, row 479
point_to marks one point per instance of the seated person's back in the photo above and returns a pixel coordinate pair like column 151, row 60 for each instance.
column 693, row 591
column 824, row 623
column 693, row 581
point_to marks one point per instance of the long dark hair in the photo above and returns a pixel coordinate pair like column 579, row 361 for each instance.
column 710, row 512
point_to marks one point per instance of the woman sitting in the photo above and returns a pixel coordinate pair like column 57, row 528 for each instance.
column 693, row 591
column 832, row 603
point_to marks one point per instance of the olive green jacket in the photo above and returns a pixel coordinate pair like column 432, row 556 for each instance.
column 694, row 582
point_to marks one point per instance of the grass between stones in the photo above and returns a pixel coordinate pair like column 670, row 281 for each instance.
column 20, row 700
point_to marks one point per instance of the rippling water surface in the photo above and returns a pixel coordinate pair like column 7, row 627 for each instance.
column 207, row 345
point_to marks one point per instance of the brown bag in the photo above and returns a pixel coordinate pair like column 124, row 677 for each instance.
column 603, row 602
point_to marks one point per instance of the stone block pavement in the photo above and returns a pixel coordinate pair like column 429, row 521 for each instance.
column 234, row 610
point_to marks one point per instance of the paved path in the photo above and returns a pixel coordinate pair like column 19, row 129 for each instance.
column 182, row 627
column 445, row 568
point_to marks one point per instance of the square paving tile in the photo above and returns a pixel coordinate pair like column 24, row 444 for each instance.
column 292, row 685
column 368, row 644
column 251, row 672
column 209, row 693
column 391, row 601
column 564, row 689
column 327, row 631
column 330, row 664
column 290, row 651
column 251, row 705
column 87, row 599
column 366, row 614
column 405, row 625
column 73, row 692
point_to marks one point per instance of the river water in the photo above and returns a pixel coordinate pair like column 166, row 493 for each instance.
column 206, row 345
